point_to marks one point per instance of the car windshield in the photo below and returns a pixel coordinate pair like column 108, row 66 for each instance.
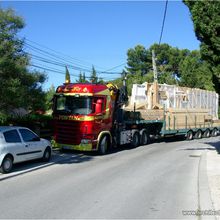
column 73, row 105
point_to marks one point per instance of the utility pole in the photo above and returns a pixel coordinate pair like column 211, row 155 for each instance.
column 154, row 66
column 155, row 85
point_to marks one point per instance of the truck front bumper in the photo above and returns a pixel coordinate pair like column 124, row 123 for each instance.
column 80, row 147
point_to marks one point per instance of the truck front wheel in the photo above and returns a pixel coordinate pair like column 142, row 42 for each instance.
column 103, row 145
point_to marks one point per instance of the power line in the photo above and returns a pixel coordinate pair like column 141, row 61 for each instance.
column 53, row 56
column 164, row 18
column 116, row 67
column 46, row 68
column 59, row 61
column 60, row 53
column 58, row 58
column 60, row 64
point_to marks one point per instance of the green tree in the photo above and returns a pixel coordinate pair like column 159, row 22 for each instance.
column 175, row 66
column 49, row 97
column 206, row 19
column 19, row 86
column 139, row 59
column 196, row 73
column 82, row 78
column 93, row 77
column 169, row 58
column 67, row 76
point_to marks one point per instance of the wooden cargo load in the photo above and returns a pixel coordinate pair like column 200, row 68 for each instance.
column 179, row 107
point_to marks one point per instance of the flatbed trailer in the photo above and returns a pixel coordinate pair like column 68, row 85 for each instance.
column 164, row 127
column 191, row 132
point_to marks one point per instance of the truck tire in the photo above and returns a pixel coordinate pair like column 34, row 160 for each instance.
column 189, row 135
column 198, row 134
column 144, row 138
column 103, row 145
column 7, row 164
column 214, row 132
column 206, row 134
column 135, row 139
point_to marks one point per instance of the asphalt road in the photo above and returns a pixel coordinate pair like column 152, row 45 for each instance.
column 160, row 180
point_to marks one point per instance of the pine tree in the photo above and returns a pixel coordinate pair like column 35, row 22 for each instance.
column 82, row 78
column 93, row 77
column 67, row 80
column 20, row 87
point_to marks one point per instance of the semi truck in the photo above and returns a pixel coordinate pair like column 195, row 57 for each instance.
column 98, row 117
column 90, row 117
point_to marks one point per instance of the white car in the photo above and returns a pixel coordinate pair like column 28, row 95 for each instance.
column 18, row 144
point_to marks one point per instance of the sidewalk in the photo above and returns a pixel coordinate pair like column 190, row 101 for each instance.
column 213, row 173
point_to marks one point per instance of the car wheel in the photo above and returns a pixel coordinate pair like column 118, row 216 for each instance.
column 7, row 164
column 47, row 155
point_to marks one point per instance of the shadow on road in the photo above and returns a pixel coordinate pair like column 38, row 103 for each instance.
column 57, row 158
column 199, row 148
column 212, row 146
column 216, row 145
column 75, row 157
column 169, row 139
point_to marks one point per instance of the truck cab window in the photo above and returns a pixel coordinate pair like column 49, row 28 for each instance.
column 73, row 105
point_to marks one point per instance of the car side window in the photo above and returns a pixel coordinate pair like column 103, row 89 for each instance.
column 12, row 136
column 28, row 135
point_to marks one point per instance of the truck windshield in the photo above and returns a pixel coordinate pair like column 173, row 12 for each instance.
column 73, row 105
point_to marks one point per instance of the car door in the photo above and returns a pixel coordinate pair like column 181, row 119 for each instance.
column 32, row 143
column 14, row 145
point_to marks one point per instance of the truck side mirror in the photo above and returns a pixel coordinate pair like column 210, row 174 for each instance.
column 98, row 106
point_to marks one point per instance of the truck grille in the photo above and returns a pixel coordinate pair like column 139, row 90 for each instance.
column 67, row 132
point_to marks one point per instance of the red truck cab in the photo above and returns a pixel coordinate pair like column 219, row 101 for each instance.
column 83, row 117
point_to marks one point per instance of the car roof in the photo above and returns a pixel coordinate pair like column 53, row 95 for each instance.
column 7, row 128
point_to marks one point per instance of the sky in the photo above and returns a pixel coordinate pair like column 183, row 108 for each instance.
column 80, row 34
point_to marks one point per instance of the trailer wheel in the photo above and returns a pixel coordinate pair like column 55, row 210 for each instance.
column 206, row 134
column 103, row 145
column 189, row 135
column 144, row 138
column 214, row 132
column 135, row 139
column 198, row 134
